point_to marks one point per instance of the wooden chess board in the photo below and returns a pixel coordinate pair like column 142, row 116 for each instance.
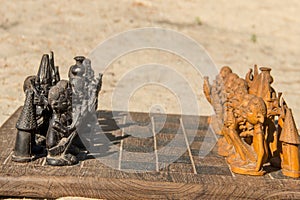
column 143, row 157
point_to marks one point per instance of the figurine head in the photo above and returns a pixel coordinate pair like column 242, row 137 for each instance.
column 256, row 111
column 240, row 83
column 60, row 97
column 229, row 84
column 225, row 71
column 230, row 80
column 29, row 83
column 239, row 94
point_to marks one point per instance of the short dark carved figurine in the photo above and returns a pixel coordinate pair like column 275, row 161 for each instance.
column 256, row 124
column 53, row 110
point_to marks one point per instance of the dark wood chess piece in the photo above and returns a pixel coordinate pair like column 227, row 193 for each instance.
column 60, row 135
column 34, row 121
column 54, row 110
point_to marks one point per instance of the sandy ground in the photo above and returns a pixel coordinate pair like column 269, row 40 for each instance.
column 235, row 33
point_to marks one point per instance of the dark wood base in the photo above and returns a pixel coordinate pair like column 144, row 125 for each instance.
column 129, row 175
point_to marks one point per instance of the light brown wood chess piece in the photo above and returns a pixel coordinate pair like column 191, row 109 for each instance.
column 215, row 95
column 260, row 85
column 290, row 147
column 252, row 136
column 225, row 144
column 253, row 151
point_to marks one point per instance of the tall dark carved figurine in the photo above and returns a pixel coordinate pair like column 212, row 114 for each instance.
column 85, row 88
column 27, row 126
column 60, row 135
column 54, row 110
column 34, row 121
column 252, row 136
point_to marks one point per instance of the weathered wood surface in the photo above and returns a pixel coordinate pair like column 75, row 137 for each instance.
column 129, row 174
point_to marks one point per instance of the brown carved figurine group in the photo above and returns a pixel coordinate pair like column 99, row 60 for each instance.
column 53, row 110
column 255, row 124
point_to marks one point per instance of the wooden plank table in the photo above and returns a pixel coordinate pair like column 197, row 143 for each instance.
column 134, row 164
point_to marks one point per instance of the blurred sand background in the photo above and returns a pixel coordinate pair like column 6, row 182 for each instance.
column 235, row 33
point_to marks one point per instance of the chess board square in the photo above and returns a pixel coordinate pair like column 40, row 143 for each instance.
column 196, row 145
column 195, row 122
column 213, row 170
column 168, row 139
column 166, row 119
column 138, row 118
column 134, row 144
column 139, row 130
column 167, row 158
column 183, row 159
column 108, row 154
column 138, row 166
column 167, row 128
column 171, row 151
column 102, row 163
column 108, row 122
column 210, row 161
column 176, row 167
column 138, row 156
column 195, row 138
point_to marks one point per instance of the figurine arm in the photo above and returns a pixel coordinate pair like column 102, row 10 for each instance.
column 59, row 128
column 259, row 146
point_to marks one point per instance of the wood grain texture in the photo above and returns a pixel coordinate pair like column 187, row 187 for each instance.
column 100, row 178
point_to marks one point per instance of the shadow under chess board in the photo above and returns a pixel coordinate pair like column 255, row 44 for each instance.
column 137, row 155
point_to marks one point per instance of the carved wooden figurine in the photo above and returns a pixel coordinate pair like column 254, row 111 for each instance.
column 34, row 120
column 290, row 150
column 215, row 95
column 252, row 137
column 53, row 111
column 60, row 135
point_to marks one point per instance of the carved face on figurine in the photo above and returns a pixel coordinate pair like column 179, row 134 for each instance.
column 60, row 97
column 44, row 88
column 229, row 84
column 238, row 97
column 240, row 83
column 225, row 71
column 256, row 111
column 240, row 93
